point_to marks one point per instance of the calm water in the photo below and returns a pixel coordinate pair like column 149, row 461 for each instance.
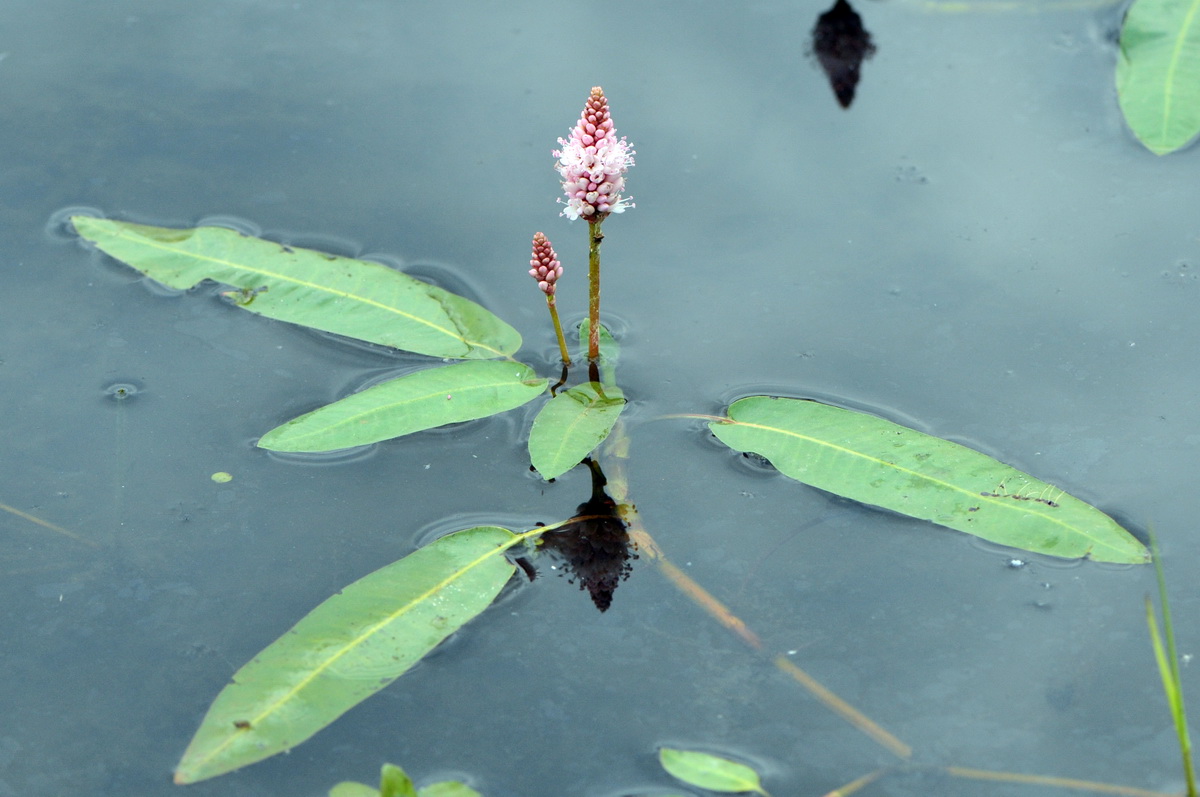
column 977, row 247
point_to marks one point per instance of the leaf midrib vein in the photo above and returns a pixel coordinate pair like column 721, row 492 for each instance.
column 1173, row 64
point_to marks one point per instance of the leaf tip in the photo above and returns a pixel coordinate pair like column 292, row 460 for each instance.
column 74, row 221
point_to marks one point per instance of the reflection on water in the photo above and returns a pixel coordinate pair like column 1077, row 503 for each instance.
column 841, row 44
column 595, row 549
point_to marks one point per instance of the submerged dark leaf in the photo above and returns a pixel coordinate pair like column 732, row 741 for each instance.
column 841, row 44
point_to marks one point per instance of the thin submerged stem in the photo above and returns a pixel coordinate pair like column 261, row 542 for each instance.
column 595, row 236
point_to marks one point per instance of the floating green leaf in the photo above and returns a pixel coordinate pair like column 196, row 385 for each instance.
column 709, row 771
column 610, row 351
column 355, row 298
column 393, row 777
column 347, row 649
column 571, row 425
column 878, row 462
column 395, row 782
column 410, row 403
column 1158, row 72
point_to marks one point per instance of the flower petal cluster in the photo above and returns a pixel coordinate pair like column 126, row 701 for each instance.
column 545, row 267
column 593, row 162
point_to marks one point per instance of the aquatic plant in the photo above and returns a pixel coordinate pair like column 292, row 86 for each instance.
column 372, row 631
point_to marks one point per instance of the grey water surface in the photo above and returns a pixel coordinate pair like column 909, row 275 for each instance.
column 977, row 248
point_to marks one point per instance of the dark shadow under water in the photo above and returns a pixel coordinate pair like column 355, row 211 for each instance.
column 594, row 549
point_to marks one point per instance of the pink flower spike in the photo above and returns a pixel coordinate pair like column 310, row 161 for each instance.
column 545, row 267
column 592, row 164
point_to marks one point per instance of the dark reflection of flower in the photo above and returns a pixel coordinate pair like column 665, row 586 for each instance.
column 841, row 44
column 594, row 549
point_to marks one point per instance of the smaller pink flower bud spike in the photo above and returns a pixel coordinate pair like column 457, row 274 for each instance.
column 545, row 268
column 592, row 164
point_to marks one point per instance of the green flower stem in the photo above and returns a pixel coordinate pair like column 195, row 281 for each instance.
column 594, row 239
column 562, row 342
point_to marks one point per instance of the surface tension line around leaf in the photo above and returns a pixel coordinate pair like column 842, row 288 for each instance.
column 353, row 789
column 875, row 461
column 447, row 788
column 356, row 298
column 349, row 647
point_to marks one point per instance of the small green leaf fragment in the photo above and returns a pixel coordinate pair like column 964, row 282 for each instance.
column 352, row 789
column 395, row 782
column 708, row 771
column 448, row 788
column 221, row 477
column 571, row 425
column 411, row 403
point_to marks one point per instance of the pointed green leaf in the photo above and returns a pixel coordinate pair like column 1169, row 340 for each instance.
column 709, row 771
column 347, row 649
column 571, row 425
column 610, row 351
column 355, row 298
column 1158, row 72
column 349, row 788
column 874, row 461
column 448, row 788
column 445, row 788
column 395, row 782
column 410, row 403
